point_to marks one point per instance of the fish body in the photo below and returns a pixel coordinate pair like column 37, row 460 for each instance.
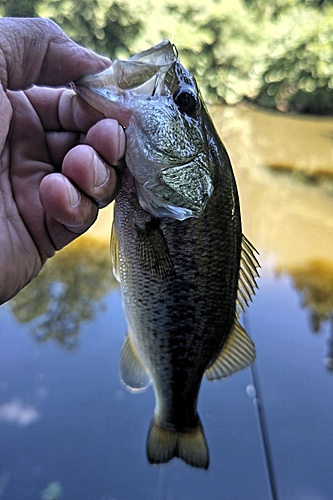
column 177, row 245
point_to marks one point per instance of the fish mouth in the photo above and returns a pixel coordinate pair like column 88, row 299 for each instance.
column 178, row 192
column 143, row 75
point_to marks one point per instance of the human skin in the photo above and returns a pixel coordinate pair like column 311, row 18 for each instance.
column 60, row 160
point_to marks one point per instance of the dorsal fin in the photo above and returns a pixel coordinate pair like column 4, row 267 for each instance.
column 133, row 372
column 237, row 353
column 247, row 274
column 114, row 251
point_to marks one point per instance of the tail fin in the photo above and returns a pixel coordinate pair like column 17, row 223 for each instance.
column 164, row 444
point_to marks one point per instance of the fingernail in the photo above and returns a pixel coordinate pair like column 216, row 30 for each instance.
column 122, row 142
column 75, row 197
column 101, row 173
column 106, row 60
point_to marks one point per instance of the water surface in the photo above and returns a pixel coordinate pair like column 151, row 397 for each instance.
column 68, row 428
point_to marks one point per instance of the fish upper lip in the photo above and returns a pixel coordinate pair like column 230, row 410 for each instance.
column 110, row 109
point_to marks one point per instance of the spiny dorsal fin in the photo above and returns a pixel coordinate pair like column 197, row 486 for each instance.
column 114, row 252
column 133, row 372
column 164, row 444
column 237, row 353
column 247, row 274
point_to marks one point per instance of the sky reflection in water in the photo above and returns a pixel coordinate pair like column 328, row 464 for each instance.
column 69, row 429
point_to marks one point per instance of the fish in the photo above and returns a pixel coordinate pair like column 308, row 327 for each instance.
column 185, row 269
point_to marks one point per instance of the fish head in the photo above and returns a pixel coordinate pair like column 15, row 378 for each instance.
column 159, row 104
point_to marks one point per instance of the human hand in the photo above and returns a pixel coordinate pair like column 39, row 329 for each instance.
column 51, row 184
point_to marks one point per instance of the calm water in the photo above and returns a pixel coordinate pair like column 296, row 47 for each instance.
column 68, row 428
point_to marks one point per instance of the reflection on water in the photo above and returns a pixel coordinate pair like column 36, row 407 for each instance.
column 315, row 284
column 289, row 220
column 284, row 169
column 19, row 413
column 63, row 414
column 52, row 492
column 67, row 292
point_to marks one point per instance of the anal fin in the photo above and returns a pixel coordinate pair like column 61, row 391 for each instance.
column 237, row 353
column 133, row 372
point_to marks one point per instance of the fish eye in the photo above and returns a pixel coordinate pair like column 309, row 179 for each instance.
column 186, row 101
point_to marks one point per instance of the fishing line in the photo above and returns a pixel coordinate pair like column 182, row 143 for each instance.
column 259, row 405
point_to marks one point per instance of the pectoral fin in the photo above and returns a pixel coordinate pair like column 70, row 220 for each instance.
column 237, row 353
column 133, row 372
column 154, row 252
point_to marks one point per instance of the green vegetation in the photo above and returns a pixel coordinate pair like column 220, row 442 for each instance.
column 275, row 54
column 68, row 291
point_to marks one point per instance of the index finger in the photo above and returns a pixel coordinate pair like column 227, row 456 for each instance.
column 60, row 109
column 37, row 51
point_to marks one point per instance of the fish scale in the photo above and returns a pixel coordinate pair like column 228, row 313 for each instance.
column 184, row 267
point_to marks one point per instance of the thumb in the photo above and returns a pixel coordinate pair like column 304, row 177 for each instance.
column 37, row 51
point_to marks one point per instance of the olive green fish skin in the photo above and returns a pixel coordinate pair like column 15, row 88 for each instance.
column 180, row 318
column 177, row 245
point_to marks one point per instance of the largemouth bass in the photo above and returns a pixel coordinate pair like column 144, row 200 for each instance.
column 177, row 248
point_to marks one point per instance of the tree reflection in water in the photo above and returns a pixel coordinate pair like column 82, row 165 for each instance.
column 68, row 291
column 315, row 283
